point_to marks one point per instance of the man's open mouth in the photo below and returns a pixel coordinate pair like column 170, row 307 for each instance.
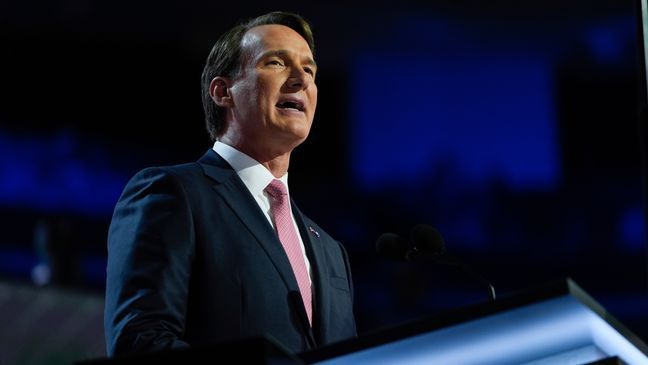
column 291, row 104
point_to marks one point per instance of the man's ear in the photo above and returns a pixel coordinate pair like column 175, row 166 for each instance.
column 219, row 90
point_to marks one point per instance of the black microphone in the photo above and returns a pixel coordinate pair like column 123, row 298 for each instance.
column 428, row 239
column 392, row 246
column 427, row 244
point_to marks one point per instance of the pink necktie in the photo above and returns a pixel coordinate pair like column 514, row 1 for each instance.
column 290, row 240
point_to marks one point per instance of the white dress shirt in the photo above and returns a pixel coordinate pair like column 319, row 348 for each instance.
column 256, row 178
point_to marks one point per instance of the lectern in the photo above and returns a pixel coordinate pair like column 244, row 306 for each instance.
column 554, row 324
column 253, row 351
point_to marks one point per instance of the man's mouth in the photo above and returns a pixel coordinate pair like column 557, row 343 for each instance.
column 291, row 105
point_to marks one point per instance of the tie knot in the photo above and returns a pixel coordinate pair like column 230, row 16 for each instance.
column 276, row 189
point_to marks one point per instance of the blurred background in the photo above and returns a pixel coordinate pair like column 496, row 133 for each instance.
column 514, row 128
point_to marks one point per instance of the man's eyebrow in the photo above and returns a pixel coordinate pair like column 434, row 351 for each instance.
column 284, row 53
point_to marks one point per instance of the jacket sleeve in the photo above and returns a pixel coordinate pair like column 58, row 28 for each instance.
column 150, row 251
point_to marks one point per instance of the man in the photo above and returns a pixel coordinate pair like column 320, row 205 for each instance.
column 213, row 250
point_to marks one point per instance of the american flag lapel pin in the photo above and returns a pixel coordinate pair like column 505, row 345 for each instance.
column 313, row 231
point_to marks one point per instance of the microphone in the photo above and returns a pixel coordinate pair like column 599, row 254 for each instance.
column 427, row 244
column 392, row 246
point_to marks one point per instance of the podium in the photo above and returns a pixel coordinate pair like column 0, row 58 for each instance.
column 253, row 351
column 554, row 324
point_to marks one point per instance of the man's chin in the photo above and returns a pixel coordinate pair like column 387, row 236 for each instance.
column 296, row 128
column 295, row 136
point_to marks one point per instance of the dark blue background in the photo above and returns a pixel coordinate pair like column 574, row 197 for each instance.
column 512, row 128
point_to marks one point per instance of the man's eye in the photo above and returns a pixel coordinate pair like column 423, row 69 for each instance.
column 275, row 63
column 309, row 71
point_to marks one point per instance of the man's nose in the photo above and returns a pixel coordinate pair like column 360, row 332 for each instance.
column 299, row 79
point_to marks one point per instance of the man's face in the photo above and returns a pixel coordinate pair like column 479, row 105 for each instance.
column 275, row 95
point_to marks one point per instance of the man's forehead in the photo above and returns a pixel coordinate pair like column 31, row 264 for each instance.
column 268, row 36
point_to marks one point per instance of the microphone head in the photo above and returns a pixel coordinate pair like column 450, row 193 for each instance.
column 392, row 246
column 427, row 240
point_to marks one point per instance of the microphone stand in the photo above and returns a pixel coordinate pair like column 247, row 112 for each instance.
column 428, row 246
column 447, row 259
column 475, row 275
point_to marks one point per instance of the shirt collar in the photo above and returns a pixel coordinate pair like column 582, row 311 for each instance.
column 254, row 175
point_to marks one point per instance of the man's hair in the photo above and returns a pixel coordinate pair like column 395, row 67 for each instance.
column 225, row 59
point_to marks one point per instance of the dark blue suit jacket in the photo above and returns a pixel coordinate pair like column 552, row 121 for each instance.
column 193, row 260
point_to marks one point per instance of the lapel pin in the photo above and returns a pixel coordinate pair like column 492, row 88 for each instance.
column 313, row 231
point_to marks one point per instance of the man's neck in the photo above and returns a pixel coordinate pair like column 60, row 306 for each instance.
column 276, row 162
column 278, row 166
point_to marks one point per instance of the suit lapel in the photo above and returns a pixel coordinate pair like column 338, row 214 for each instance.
column 315, row 252
column 236, row 195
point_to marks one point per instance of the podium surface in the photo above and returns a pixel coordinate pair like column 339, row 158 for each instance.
column 262, row 350
column 554, row 324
